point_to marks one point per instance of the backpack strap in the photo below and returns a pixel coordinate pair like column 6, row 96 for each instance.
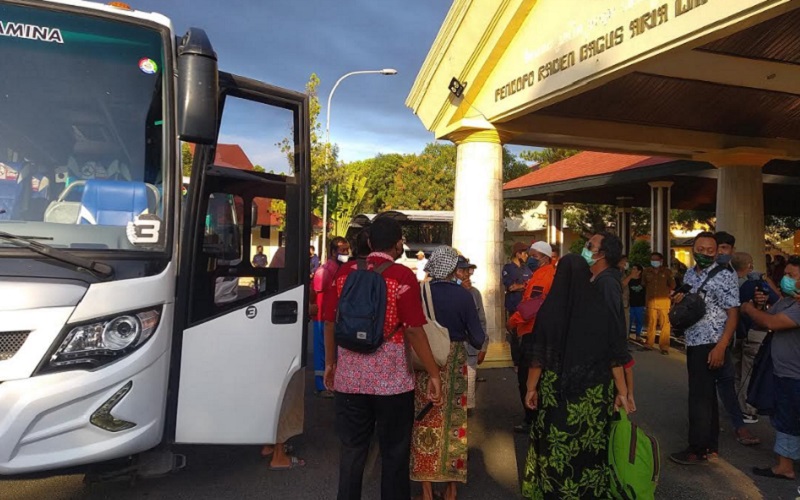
column 713, row 273
column 380, row 269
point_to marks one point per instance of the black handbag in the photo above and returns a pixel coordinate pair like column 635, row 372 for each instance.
column 761, row 389
column 692, row 308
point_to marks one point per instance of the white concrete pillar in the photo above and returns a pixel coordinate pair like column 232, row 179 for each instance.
column 624, row 214
column 478, row 226
column 555, row 226
column 740, row 202
column 660, row 206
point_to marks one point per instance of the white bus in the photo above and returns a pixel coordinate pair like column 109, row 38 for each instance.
column 116, row 334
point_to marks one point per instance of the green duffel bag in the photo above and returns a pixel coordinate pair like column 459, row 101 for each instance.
column 634, row 458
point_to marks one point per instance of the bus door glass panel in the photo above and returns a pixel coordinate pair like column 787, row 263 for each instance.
column 241, row 356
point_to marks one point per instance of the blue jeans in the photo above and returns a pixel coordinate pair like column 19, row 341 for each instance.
column 637, row 319
column 319, row 355
column 726, row 388
column 786, row 419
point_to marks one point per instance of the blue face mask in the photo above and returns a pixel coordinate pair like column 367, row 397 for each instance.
column 457, row 281
column 655, row 263
column 789, row 286
column 588, row 256
column 532, row 263
column 724, row 259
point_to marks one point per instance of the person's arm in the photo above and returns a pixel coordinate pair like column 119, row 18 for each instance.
column 416, row 336
column 621, row 400
column 627, row 279
column 775, row 322
column 716, row 358
column 330, row 355
column 475, row 332
column 532, row 395
column 670, row 280
column 628, row 370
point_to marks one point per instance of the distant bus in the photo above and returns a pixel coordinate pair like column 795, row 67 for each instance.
column 422, row 229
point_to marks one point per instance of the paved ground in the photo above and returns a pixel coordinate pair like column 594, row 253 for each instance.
column 496, row 455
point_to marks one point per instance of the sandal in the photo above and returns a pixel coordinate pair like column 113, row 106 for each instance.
column 287, row 448
column 747, row 439
column 294, row 463
column 768, row 472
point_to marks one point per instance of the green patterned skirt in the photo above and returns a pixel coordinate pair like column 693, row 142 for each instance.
column 439, row 441
column 568, row 454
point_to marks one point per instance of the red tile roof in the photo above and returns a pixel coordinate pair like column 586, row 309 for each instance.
column 230, row 156
column 582, row 165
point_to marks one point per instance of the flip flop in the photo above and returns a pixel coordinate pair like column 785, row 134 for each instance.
column 767, row 472
column 287, row 448
column 294, row 463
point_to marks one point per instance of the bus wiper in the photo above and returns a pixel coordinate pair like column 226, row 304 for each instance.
column 98, row 269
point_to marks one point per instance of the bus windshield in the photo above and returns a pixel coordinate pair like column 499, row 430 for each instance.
column 82, row 161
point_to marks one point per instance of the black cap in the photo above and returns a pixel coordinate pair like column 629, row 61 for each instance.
column 463, row 263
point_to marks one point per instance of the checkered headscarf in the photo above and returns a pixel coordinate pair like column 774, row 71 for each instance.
column 442, row 262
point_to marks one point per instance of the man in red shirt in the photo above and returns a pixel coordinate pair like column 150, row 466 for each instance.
column 378, row 388
column 338, row 254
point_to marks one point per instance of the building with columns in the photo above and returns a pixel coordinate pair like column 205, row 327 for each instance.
column 710, row 81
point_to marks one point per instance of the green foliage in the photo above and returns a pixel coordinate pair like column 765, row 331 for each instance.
column 324, row 157
column 425, row 181
column 640, row 253
column 379, row 173
column 186, row 159
column 546, row 156
column 259, row 168
column 512, row 169
column 347, row 197
column 577, row 246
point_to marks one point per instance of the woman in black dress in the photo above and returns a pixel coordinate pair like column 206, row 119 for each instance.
column 575, row 382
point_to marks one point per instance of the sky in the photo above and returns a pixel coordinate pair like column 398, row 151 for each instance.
column 282, row 42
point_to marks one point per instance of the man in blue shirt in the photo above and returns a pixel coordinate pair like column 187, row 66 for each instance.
column 515, row 275
column 707, row 348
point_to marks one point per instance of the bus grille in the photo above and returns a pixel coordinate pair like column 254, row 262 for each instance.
column 10, row 343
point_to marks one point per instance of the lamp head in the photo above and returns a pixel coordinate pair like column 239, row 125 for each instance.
column 389, row 71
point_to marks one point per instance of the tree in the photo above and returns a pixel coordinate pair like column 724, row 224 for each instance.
column 640, row 253
column 259, row 168
column 546, row 156
column 379, row 173
column 186, row 159
column 426, row 181
column 347, row 198
column 512, row 169
column 324, row 157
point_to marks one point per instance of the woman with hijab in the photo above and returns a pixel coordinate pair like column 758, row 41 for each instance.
column 575, row 382
column 439, row 439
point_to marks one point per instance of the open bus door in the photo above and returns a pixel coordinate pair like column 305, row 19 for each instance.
column 239, row 356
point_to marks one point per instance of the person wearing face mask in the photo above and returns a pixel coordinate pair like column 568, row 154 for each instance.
column 783, row 319
column 338, row 253
column 707, row 348
column 658, row 284
column 538, row 285
column 726, row 247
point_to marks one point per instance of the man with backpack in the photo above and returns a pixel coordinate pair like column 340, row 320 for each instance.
column 373, row 310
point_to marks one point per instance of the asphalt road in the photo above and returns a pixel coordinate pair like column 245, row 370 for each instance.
column 495, row 462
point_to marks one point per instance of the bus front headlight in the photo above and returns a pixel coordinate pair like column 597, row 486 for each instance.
column 96, row 343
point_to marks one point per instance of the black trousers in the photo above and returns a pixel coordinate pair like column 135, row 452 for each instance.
column 357, row 418
column 703, row 406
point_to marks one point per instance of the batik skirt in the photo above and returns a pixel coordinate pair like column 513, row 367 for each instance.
column 439, row 441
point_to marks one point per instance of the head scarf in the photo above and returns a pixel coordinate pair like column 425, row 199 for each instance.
column 442, row 262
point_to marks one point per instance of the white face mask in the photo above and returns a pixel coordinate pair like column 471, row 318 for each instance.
column 343, row 258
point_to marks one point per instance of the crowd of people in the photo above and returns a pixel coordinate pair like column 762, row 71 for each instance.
column 569, row 322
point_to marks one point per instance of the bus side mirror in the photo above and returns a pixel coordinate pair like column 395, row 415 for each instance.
column 198, row 88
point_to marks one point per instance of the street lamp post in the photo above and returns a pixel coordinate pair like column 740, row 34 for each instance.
column 386, row 71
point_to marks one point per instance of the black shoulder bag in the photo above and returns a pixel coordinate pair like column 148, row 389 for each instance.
column 693, row 306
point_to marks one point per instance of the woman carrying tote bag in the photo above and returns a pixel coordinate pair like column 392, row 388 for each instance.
column 439, row 439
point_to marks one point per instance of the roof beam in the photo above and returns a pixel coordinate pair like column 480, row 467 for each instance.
column 598, row 135
column 728, row 70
